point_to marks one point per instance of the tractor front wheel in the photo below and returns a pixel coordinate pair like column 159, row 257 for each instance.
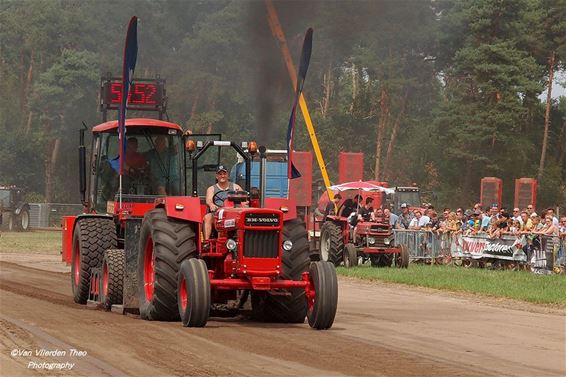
column 91, row 237
column 402, row 259
column 164, row 244
column 350, row 256
column 112, row 283
column 193, row 293
column 331, row 243
column 290, row 306
column 323, row 299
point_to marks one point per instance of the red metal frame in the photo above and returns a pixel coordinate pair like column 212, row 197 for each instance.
column 105, row 279
column 260, row 283
column 148, row 269
column 183, row 293
column 77, row 266
column 350, row 167
column 67, row 226
column 491, row 190
column 522, row 200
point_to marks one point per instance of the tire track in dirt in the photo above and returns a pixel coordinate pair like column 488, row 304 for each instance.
column 85, row 366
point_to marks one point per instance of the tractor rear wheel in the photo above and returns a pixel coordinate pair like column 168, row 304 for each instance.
column 331, row 243
column 193, row 293
column 91, row 237
column 291, row 307
column 23, row 220
column 10, row 221
column 402, row 259
column 350, row 255
column 323, row 301
column 112, row 282
column 164, row 244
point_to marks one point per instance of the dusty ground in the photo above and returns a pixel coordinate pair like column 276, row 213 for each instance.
column 380, row 330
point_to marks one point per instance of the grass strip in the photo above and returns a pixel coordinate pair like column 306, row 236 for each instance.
column 35, row 241
column 518, row 285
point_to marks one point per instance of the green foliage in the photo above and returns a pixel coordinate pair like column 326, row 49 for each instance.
column 462, row 81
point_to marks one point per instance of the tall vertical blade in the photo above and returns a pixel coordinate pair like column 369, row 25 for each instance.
column 292, row 171
column 128, row 67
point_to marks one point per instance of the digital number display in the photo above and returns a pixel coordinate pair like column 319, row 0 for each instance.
column 143, row 95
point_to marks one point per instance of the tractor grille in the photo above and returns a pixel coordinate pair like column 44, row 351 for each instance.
column 261, row 244
column 380, row 228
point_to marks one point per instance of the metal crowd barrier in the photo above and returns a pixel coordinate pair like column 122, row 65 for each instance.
column 540, row 253
column 422, row 245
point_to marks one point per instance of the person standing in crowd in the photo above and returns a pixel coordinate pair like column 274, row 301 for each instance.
column 550, row 212
column 405, row 217
column 451, row 223
column 392, row 217
column 517, row 215
column 562, row 227
column 494, row 211
column 378, row 215
column 445, row 213
column 526, row 222
column 485, row 221
column 537, row 223
column 548, row 228
column 419, row 221
column 531, row 210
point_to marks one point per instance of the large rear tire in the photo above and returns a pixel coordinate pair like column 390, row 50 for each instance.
column 290, row 308
column 402, row 259
column 112, row 282
column 350, row 255
column 91, row 237
column 331, row 243
column 193, row 295
column 322, row 306
column 10, row 221
column 164, row 244
column 23, row 220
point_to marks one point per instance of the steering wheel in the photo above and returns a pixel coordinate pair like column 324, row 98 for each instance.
column 235, row 196
column 215, row 196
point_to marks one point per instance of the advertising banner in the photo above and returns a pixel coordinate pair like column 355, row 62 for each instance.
column 480, row 247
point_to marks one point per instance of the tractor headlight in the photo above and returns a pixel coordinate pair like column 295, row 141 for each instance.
column 387, row 241
column 287, row 245
column 371, row 240
column 231, row 244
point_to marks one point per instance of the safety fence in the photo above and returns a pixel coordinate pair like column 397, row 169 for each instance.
column 540, row 254
column 43, row 215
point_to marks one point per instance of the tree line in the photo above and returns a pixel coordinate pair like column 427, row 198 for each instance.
column 440, row 93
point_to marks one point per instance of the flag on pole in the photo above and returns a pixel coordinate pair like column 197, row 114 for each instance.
column 130, row 57
column 292, row 171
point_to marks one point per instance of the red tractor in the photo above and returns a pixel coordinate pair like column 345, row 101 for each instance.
column 375, row 241
column 144, row 252
column 345, row 239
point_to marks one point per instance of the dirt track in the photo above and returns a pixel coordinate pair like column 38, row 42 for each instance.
column 380, row 330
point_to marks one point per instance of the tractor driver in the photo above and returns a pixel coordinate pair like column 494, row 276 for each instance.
column 216, row 195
